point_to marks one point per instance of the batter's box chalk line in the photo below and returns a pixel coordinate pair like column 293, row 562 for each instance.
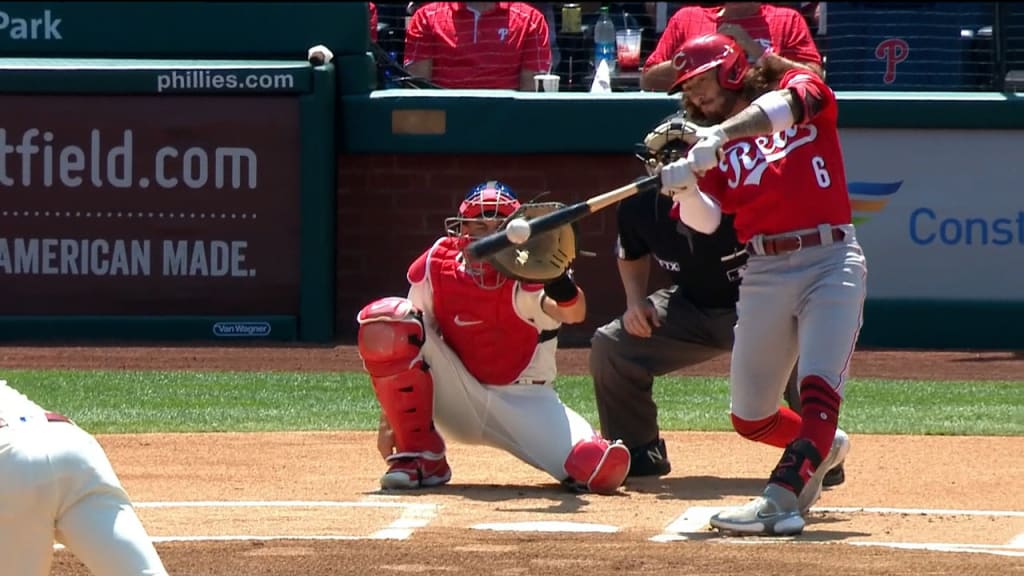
column 693, row 525
column 414, row 515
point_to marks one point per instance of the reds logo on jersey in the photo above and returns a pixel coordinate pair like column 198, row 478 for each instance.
column 745, row 163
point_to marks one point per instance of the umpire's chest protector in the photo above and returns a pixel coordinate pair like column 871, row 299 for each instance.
column 480, row 325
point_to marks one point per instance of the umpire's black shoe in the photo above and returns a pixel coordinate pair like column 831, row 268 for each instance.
column 649, row 460
column 834, row 477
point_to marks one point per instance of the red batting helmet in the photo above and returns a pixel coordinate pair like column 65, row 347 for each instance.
column 706, row 52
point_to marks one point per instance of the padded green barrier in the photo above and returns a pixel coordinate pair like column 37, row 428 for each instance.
column 931, row 110
column 497, row 122
column 942, row 324
column 153, row 328
column 508, row 122
column 182, row 29
column 357, row 73
column 107, row 75
column 319, row 207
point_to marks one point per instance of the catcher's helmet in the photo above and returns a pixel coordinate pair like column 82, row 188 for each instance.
column 489, row 201
column 701, row 54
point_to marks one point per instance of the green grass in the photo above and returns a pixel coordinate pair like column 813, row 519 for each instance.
column 115, row 402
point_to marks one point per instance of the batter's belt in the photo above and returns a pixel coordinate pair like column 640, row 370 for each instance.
column 779, row 244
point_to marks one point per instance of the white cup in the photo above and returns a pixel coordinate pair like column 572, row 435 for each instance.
column 546, row 82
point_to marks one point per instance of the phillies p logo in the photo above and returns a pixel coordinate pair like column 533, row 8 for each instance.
column 892, row 51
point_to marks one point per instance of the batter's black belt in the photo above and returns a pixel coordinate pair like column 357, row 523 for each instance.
column 50, row 417
column 786, row 243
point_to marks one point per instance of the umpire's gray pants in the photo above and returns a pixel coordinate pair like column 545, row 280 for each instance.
column 624, row 366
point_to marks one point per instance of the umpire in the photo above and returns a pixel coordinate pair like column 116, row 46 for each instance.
column 687, row 323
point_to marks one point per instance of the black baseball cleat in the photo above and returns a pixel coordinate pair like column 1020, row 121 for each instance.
column 834, row 477
column 649, row 460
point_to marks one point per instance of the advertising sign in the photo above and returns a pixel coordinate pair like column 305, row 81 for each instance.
column 149, row 205
column 939, row 212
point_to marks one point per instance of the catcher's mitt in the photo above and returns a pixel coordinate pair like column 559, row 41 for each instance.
column 668, row 141
column 543, row 257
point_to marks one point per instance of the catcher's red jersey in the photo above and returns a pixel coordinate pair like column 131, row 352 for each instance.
column 482, row 326
column 800, row 169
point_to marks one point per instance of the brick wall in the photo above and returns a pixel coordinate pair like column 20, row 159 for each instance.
column 392, row 207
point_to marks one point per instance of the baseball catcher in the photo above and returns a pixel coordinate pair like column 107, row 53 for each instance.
column 469, row 355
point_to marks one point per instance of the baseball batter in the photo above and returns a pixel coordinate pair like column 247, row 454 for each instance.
column 770, row 154
column 57, row 483
column 474, row 352
column 686, row 323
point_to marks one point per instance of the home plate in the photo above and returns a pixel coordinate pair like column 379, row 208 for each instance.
column 547, row 527
column 693, row 521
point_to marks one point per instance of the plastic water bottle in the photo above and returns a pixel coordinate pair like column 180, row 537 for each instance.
column 604, row 40
column 389, row 75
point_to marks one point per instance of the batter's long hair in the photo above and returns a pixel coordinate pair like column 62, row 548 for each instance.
column 758, row 80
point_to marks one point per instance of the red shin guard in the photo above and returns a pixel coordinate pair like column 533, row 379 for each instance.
column 390, row 336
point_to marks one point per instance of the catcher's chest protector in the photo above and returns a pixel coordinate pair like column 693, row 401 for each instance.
column 480, row 325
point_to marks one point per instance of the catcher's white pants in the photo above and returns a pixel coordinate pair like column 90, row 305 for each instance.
column 56, row 482
column 527, row 420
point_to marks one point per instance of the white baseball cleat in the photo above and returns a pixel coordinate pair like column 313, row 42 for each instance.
column 774, row 513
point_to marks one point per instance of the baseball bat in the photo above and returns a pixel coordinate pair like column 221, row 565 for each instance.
column 499, row 241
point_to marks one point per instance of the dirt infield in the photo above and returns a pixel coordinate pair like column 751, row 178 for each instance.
column 308, row 503
column 896, row 364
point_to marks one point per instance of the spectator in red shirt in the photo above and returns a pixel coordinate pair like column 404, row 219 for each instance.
column 781, row 32
column 499, row 45
column 373, row 21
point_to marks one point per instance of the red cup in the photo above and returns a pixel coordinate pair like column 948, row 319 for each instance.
column 627, row 45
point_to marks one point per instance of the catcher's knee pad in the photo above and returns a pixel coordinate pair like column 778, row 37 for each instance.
column 391, row 335
column 598, row 465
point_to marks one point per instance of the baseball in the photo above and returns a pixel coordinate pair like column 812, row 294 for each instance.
column 518, row 231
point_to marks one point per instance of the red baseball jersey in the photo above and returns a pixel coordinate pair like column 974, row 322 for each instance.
column 373, row 21
column 482, row 326
column 471, row 50
column 782, row 29
column 791, row 180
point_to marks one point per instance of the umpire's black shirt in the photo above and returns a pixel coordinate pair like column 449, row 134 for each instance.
column 704, row 267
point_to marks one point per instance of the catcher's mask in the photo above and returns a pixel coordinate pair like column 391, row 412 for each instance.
column 489, row 202
column 698, row 55
column 667, row 142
